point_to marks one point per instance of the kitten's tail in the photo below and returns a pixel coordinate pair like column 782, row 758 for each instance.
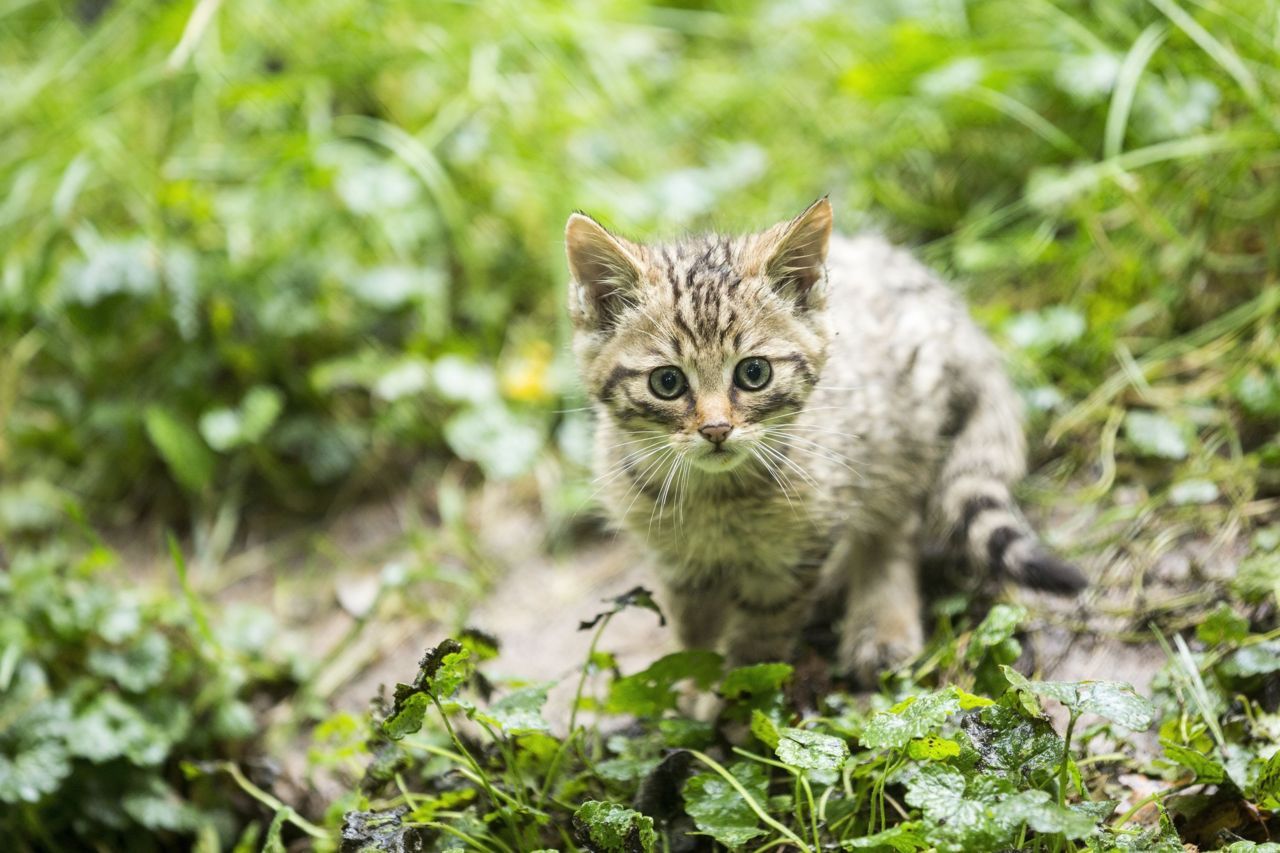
column 974, row 505
column 994, row 532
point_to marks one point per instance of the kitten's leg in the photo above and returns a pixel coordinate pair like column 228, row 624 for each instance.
column 767, row 628
column 698, row 609
column 770, row 615
column 882, row 627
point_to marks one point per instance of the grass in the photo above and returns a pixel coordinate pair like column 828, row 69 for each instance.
column 259, row 263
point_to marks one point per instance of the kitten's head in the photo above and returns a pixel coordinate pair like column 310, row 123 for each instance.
column 708, row 346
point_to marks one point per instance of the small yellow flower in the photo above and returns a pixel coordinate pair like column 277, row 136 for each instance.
column 526, row 377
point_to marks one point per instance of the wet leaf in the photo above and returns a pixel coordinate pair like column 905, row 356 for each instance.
column 932, row 748
column 1112, row 700
column 906, row 837
column 611, row 828
column 810, row 750
column 518, row 713
column 1253, row 659
column 382, row 831
column 720, row 811
column 1011, row 744
column 1037, row 810
column 916, row 717
column 953, row 821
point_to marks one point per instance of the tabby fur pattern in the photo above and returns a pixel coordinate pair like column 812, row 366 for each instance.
column 886, row 426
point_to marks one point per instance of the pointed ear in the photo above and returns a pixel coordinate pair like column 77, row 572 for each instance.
column 605, row 269
column 798, row 251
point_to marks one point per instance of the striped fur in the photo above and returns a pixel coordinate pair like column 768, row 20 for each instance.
column 886, row 425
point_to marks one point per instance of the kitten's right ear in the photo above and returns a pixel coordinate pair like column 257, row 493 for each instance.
column 605, row 270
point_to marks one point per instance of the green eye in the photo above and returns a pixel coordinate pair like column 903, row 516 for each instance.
column 667, row 382
column 752, row 374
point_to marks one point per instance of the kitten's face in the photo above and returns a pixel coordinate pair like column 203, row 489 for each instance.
column 702, row 351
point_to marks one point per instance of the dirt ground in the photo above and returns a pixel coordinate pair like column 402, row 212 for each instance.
column 322, row 583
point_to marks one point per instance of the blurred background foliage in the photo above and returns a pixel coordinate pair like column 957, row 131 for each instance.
column 269, row 253
column 270, row 257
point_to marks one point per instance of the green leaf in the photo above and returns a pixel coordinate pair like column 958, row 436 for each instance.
column 764, row 729
column 156, row 806
column 1037, row 810
column 810, row 750
column 681, row 733
column 915, row 717
column 1111, row 700
column 138, row 666
column 1155, row 435
column 906, row 837
column 1223, row 625
column 518, row 713
column 651, row 692
column 720, row 811
column 932, row 748
column 408, row 718
column 188, row 458
column 953, row 821
column 109, row 728
column 1206, row 769
column 761, row 679
column 1266, row 788
column 1013, row 745
column 611, row 828
column 1253, row 659
column 1258, row 391
column 999, row 625
column 1258, row 577
column 33, row 771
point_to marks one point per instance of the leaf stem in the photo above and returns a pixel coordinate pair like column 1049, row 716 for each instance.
column 1066, row 757
column 276, row 805
column 750, row 800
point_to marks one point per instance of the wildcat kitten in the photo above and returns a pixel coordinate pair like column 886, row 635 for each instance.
column 788, row 419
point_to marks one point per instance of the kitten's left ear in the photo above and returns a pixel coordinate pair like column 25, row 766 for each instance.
column 605, row 269
column 798, row 251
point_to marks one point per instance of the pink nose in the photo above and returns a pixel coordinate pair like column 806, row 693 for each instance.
column 716, row 433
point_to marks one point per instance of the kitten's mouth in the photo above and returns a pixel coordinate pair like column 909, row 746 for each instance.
column 719, row 460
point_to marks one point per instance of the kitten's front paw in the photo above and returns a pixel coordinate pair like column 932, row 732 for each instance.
column 866, row 654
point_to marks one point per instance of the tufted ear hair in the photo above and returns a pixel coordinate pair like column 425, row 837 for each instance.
column 605, row 270
column 797, row 250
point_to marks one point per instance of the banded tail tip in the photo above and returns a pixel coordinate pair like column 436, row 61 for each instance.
column 1044, row 570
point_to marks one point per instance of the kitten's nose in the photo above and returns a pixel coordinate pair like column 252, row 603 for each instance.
column 716, row 433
